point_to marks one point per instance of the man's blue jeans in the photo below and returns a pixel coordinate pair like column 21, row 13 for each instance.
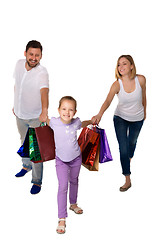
column 127, row 134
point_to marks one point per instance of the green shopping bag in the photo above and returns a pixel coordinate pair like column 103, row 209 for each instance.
column 34, row 152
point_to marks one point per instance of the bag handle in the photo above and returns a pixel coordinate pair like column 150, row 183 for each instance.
column 94, row 127
column 42, row 124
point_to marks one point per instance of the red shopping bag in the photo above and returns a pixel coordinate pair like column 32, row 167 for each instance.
column 46, row 144
column 89, row 144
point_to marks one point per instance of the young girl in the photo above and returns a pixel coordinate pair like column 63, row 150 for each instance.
column 130, row 112
column 68, row 157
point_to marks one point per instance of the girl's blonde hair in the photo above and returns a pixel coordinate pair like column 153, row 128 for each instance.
column 68, row 98
column 133, row 71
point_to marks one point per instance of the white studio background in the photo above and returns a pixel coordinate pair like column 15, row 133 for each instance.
column 82, row 41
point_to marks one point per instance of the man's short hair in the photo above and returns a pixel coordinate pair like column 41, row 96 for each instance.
column 34, row 44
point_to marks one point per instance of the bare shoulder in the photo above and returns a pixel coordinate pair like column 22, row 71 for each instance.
column 142, row 80
column 115, row 87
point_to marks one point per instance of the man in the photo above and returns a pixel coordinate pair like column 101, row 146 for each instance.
column 31, row 103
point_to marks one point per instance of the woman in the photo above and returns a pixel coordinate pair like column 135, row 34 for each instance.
column 130, row 112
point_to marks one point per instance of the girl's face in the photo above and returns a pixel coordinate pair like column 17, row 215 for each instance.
column 124, row 66
column 67, row 111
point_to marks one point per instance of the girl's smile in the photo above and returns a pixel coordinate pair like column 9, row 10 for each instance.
column 67, row 111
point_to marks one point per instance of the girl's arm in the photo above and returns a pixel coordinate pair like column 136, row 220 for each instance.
column 48, row 121
column 86, row 123
column 142, row 81
column 113, row 90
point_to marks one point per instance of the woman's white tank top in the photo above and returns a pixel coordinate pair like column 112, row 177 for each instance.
column 130, row 105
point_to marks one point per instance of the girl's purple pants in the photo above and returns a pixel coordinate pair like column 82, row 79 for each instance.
column 67, row 173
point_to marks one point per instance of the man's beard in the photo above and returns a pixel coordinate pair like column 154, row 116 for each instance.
column 32, row 66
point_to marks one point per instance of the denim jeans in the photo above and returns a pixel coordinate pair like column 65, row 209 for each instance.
column 67, row 174
column 37, row 168
column 127, row 134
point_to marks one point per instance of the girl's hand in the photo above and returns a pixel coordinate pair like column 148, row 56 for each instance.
column 48, row 121
column 96, row 119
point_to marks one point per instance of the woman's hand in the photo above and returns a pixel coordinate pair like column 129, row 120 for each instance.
column 96, row 119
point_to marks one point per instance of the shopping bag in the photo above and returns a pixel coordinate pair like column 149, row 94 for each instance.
column 105, row 153
column 23, row 151
column 89, row 145
column 45, row 139
column 38, row 145
column 95, row 166
column 34, row 152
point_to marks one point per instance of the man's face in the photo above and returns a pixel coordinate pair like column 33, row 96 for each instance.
column 33, row 57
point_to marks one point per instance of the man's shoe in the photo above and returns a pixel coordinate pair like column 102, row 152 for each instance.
column 21, row 173
column 35, row 189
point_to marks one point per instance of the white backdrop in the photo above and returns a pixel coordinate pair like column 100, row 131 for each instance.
column 82, row 41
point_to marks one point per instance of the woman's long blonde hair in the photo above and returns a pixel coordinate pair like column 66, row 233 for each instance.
column 133, row 71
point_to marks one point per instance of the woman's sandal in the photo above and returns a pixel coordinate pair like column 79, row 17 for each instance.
column 123, row 189
column 77, row 209
column 61, row 229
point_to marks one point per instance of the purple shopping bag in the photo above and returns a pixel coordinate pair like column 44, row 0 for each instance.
column 105, row 153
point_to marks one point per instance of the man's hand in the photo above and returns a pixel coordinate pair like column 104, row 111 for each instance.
column 43, row 116
column 13, row 111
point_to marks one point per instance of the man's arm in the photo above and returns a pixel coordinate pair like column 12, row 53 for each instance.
column 45, row 102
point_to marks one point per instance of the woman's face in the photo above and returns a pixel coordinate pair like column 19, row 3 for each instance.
column 124, row 66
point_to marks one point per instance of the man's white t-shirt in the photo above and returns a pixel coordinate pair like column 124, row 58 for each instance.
column 27, row 97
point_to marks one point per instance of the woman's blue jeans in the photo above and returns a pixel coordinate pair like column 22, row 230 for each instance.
column 127, row 134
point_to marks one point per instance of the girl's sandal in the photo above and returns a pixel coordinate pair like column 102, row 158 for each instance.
column 61, row 229
column 77, row 209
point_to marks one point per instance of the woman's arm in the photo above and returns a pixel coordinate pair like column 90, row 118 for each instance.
column 142, row 81
column 113, row 90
